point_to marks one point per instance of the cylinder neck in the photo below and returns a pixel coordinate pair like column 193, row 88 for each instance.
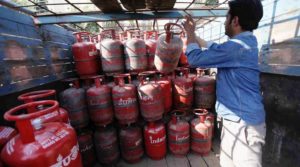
column 200, row 72
column 177, row 115
column 151, row 124
column 98, row 82
column 121, row 81
column 201, row 114
column 26, row 131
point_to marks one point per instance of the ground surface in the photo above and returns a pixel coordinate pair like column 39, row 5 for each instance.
column 191, row 160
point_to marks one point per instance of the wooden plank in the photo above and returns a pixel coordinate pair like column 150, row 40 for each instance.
column 211, row 160
column 142, row 163
column 196, row 160
column 174, row 161
column 156, row 163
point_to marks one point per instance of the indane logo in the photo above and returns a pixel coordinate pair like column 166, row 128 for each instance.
column 182, row 138
column 126, row 102
column 65, row 161
column 158, row 140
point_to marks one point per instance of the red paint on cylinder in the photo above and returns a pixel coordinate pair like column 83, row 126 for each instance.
column 111, row 53
column 182, row 89
column 155, row 140
column 168, row 50
column 179, row 134
column 150, row 38
column 106, row 143
column 86, row 147
column 73, row 99
column 100, row 102
column 85, row 55
column 166, row 87
column 125, row 100
column 57, row 116
column 40, row 144
column 205, row 92
column 131, row 143
column 201, row 133
column 150, row 94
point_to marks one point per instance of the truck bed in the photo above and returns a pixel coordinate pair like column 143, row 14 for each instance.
column 191, row 160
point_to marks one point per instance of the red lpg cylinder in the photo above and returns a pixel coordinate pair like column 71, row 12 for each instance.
column 182, row 89
column 183, row 61
column 205, row 92
column 155, row 140
column 73, row 99
column 166, row 87
column 150, row 38
column 100, row 102
column 178, row 134
column 57, row 116
column 125, row 100
column 150, row 97
column 131, row 143
column 201, row 129
column 40, row 144
column 106, row 143
column 135, row 52
column 168, row 50
column 111, row 53
column 85, row 55
column 6, row 133
column 86, row 147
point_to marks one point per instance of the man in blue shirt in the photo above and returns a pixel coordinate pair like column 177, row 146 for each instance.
column 239, row 101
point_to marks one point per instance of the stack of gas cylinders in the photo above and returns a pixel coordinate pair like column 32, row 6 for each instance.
column 131, row 51
column 148, row 113
column 143, row 104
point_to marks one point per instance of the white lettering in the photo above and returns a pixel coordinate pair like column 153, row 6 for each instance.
column 63, row 162
column 158, row 140
column 128, row 101
column 86, row 148
column 182, row 138
column 6, row 132
column 54, row 139
column 10, row 146
column 147, row 98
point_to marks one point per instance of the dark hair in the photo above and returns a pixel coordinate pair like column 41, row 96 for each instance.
column 249, row 13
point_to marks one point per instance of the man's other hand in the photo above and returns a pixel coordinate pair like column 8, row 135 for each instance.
column 189, row 25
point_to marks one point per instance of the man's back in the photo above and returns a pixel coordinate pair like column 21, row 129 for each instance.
column 238, row 90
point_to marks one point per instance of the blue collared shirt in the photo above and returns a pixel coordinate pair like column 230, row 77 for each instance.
column 238, row 89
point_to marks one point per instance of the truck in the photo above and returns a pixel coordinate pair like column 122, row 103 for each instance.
column 36, row 38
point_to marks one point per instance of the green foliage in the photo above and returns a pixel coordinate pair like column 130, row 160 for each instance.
column 92, row 27
column 211, row 2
